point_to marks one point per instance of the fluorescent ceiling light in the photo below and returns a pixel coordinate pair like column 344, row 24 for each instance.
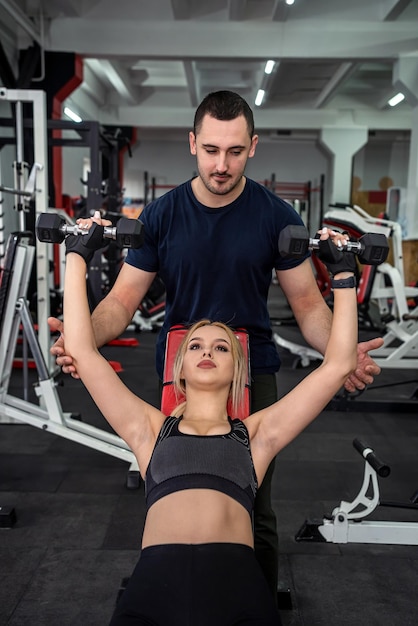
column 290, row 2
column 259, row 97
column 73, row 116
column 396, row 99
column 269, row 67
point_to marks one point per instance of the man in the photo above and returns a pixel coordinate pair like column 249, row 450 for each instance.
column 214, row 242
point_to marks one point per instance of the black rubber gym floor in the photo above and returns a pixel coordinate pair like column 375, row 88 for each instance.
column 78, row 528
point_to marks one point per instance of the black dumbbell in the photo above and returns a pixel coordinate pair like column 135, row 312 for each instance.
column 371, row 248
column 52, row 228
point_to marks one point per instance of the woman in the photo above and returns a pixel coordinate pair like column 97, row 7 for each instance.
column 201, row 469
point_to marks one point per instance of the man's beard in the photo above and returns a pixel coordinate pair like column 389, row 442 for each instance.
column 220, row 189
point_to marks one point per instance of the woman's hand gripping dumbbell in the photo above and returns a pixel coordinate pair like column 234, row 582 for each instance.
column 342, row 278
column 88, row 235
column 332, row 251
column 88, row 238
column 371, row 248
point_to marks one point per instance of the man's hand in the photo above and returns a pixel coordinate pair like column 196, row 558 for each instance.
column 366, row 368
column 58, row 349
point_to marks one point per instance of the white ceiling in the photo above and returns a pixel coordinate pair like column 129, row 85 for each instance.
column 148, row 64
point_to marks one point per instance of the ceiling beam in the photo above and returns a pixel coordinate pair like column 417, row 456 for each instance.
column 236, row 10
column 94, row 82
column 119, row 79
column 162, row 117
column 181, row 9
column 192, row 80
column 229, row 40
column 22, row 20
column 343, row 72
column 67, row 7
column 280, row 11
column 396, row 10
column 7, row 77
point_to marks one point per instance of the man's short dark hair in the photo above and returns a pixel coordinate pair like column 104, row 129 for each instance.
column 223, row 105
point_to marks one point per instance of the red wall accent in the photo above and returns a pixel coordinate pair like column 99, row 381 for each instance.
column 56, row 114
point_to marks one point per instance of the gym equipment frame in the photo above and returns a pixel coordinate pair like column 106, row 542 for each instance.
column 38, row 193
column 35, row 189
column 400, row 348
column 48, row 415
column 346, row 523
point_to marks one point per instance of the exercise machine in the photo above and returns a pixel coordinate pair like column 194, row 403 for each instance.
column 371, row 249
column 150, row 314
column 34, row 190
column 399, row 322
column 347, row 523
column 48, row 415
column 386, row 286
column 388, row 282
column 382, row 283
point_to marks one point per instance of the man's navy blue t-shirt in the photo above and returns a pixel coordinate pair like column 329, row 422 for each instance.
column 217, row 263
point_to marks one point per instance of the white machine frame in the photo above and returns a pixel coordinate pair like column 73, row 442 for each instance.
column 400, row 347
column 36, row 190
column 346, row 523
column 48, row 415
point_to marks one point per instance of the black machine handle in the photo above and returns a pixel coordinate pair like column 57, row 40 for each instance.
column 382, row 469
column 341, row 205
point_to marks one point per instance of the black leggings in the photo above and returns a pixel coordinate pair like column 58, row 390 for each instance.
column 216, row 584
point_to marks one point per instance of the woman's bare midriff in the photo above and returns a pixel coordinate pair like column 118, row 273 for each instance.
column 197, row 516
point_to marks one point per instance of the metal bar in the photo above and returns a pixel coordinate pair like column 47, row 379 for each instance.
column 41, row 206
column 21, row 19
column 19, row 166
column 40, row 140
column 92, row 439
column 27, row 323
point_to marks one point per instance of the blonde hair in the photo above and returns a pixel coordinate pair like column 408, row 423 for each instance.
column 236, row 394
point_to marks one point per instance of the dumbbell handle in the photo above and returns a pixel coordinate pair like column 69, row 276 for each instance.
column 110, row 232
column 349, row 246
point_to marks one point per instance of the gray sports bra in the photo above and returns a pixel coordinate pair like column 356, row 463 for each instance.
column 221, row 462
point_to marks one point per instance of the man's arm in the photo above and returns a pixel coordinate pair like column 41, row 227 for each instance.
column 111, row 316
column 114, row 313
column 314, row 319
column 312, row 313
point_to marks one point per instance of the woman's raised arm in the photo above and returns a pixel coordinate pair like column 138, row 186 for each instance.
column 274, row 427
column 135, row 421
